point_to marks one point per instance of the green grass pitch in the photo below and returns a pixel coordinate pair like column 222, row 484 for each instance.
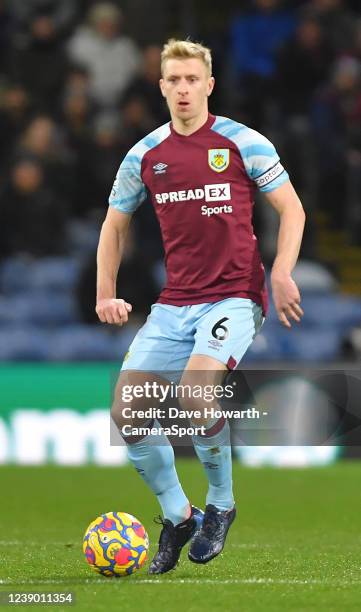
column 295, row 545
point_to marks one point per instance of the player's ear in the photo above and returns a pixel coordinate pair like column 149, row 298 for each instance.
column 211, row 84
column 161, row 85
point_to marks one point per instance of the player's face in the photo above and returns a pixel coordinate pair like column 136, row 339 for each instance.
column 186, row 86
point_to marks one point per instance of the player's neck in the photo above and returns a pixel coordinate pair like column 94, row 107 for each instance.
column 186, row 127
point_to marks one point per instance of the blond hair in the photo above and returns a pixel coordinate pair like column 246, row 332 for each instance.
column 186, row 49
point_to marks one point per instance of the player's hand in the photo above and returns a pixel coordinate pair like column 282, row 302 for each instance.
column 114, row 311
column 286, row 298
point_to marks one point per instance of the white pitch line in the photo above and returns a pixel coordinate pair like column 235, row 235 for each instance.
column 254, row 545
column 79, row 544
column 39, row 544
column 214, row 581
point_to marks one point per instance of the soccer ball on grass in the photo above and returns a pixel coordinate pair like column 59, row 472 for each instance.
column 115, row 544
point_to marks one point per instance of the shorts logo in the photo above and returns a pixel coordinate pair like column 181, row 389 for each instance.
column 218, row 159
column 215, row 344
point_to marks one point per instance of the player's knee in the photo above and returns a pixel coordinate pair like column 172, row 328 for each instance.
column 118, row 413
column 131, row 411
column 123, row 411
column 197, row 410
column 200, row 395
column 189, row 403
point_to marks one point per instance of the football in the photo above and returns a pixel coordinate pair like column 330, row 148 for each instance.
column 115, row 544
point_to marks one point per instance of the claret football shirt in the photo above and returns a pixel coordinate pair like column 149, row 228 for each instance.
column 202, row 188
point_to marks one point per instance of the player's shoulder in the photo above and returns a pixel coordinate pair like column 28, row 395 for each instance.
column 259, row 156
column 152, row 140
column 240, row 134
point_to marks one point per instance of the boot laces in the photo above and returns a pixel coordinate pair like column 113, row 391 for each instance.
column 212, row 522
column 167, row 535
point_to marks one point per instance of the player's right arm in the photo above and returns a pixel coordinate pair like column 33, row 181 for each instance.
column 110, row 250
column 127, row 194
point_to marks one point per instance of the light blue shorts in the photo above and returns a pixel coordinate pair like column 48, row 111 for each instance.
column 171, row 334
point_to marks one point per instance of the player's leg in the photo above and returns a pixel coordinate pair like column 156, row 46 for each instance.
column 153, row 458
column 223, row 335
column 213, row 449
column 150, row 453
column 159, row 348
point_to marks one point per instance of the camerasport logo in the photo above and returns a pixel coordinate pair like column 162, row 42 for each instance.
column 220, row 192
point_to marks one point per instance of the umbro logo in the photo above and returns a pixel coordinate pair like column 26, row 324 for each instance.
column 160, row 168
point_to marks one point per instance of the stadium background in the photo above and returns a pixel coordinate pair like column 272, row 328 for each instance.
column 78, row 86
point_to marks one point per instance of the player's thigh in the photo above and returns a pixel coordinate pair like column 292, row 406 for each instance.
column 227, row 330
column 158, row 354
column 160, row 346
column 203, row 370
column 223, row 335
column 136, row 395
column 202, row 384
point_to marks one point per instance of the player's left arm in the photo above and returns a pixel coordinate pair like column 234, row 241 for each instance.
column 286, row 295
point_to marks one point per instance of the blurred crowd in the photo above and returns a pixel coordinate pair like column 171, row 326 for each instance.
column 296, row 74
column 79, row 86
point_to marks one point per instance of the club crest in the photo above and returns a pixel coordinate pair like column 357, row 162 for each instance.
column 218, row 159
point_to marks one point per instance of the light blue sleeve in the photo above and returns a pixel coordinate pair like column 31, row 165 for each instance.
column 128, row 191
column 262, row 163
column 259, row 156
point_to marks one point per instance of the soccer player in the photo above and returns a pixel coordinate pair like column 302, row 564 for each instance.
column 201, row 172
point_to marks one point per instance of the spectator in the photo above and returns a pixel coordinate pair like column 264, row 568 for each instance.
column 14, row 115
column 137, row 121
column 111, row 58
column 145, row 87
column 336, row 117
column 33, row 218
column 336, row 21
column 97, row 163
column 302, row 65
column 6, row 26
column 355, row 49
column 40, row 64
column 77, row 81
column 77, row 109
column 43, row 139
column 255, row 38
column 59, row 14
